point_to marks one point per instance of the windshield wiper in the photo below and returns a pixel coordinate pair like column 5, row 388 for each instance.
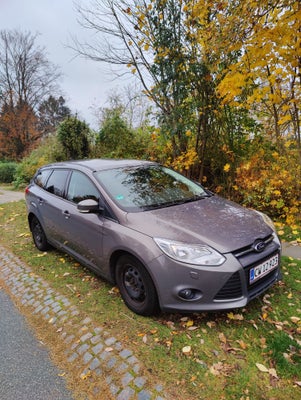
column 175, row 202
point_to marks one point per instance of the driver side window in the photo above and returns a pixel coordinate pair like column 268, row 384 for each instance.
column 81, row 188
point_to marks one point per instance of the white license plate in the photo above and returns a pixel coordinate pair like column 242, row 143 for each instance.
column 263, row 269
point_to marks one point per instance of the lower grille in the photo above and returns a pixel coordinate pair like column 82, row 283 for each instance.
column 231, row 290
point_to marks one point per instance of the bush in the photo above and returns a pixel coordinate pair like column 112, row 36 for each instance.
column 7, row 171
column 49, row 151
column 73, row 135
column 270, row 182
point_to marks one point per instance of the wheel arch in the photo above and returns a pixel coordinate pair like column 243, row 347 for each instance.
column 30, row 217
column 117, row 254
column 114, row 258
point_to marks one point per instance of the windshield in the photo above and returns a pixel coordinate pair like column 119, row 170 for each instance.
column 148, row 187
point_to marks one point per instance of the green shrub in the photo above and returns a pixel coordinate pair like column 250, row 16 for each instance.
column 7, row 171
column 49, row 151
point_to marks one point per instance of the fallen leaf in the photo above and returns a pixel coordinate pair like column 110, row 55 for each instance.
column 261, row 367
column 295, row 320
column 237, row 317
column 264, row 316
column 86, row 375
column 186, row 350
column 222, row 338
column 242, row 344
column 273, row 373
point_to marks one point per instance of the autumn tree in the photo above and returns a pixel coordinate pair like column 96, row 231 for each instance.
column 155, row 42
column 258, row 46
column 18, row 131
column 26, row 79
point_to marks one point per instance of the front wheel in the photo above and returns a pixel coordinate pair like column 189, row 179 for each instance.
column 38, row 235
column 136, row 286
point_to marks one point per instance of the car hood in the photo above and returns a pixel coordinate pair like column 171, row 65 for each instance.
column 214, row 221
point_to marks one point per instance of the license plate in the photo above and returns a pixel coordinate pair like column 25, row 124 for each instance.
column 263, row 269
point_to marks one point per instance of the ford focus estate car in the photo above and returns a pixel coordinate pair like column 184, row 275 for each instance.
column 166, row 242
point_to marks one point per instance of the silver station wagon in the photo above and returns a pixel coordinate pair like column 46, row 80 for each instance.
column 166, row 242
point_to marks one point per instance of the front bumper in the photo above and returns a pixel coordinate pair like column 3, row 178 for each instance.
column 212, row 288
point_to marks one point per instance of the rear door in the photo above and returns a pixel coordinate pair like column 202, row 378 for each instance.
column 51, row 203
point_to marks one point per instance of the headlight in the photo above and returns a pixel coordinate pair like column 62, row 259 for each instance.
column 190, row 253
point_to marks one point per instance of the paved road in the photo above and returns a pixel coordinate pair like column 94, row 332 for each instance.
column 26, row 372
column 9, row 195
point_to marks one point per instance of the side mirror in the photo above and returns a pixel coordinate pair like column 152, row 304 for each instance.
column 89, row 206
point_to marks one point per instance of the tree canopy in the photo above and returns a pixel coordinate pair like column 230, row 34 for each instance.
column 26, row 79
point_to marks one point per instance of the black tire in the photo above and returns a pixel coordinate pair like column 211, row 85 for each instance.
column 136, row 286
column 38, row 235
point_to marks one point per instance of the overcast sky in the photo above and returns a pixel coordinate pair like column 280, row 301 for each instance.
column 84, row 83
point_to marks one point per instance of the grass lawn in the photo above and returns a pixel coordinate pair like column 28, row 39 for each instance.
column 250, row 353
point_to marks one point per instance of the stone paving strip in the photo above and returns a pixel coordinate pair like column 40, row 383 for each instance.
column 92, row 350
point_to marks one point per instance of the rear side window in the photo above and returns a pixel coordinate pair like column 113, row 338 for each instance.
column 81, row 188
column 57, row 181
column 41, row 177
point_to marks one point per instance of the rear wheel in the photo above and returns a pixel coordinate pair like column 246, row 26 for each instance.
column 38, row 235
column 136, row 286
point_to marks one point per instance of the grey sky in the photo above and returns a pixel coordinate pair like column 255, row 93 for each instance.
column 85, row 83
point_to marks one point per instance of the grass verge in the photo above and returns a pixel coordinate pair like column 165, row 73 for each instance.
column 250, row 353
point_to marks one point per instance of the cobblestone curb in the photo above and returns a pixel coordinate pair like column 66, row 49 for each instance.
column 92, row 350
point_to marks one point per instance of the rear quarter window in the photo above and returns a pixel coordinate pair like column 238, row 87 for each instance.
column 41, row 178
column 57, row 182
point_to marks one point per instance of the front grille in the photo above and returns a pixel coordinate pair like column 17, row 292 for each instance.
column 250, row 249
column 231, row 290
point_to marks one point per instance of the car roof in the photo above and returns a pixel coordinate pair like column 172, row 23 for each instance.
column 99, row 164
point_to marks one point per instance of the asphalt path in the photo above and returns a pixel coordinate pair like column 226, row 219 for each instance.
column 9, row 195
column 26, row 371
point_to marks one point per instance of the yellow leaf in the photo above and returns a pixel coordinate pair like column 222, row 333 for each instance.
column 242, row 344
column 227, row 167
column 189, row 323
column 264, row 316
column 85, row 376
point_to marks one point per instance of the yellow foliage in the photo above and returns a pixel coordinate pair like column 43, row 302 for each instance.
column 227, row 167
column 271, row 184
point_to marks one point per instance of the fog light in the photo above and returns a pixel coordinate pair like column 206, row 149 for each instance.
column 190, row 294
column 186, row 294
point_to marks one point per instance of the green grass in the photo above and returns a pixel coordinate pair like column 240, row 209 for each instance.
column 223, row 350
